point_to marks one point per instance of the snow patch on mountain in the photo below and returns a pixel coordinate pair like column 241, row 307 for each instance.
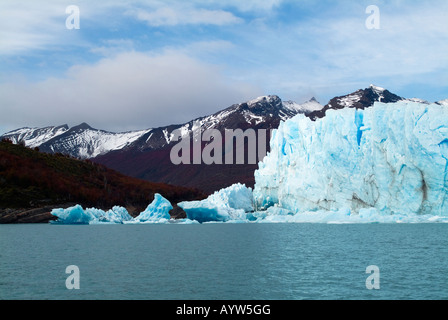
column 349, row 100
column 91, row 143
column 34, row 137
column 306, row 107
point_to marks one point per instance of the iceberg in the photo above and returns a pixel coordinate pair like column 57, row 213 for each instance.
column 116, row 215
column 77, row 215
column 229, row 204
column 157, row 211
column 390, row 159
column 73, row 215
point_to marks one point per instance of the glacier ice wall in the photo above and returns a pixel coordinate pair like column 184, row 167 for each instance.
column 391, row 157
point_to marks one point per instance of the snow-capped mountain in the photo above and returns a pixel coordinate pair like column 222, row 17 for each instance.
column 262, row 112
column 81, row 141
column 34, row 137
column 149, row 156
column 305, row 108
column 84, row 142
column 359, row 99
column 146, row 153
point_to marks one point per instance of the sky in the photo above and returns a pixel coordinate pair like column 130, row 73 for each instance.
column 137, row 64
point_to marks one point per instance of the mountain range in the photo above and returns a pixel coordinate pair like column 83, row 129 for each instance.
column 145, row 154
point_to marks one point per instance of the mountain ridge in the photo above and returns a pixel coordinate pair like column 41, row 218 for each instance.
column 61, row 142
column 145, row 153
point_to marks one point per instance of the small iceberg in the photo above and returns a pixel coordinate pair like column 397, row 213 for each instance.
column 157, row 211
column 229, row 204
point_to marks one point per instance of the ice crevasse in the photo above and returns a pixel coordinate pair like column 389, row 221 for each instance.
column 392, row 158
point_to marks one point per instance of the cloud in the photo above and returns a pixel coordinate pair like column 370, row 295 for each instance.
column 169, row 16
column 208, row 57
column 111, row 47
column 26, row 27
column 129, row 91
column 247, row 5
column 332, row 52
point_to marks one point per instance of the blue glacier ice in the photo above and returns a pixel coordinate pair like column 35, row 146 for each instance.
column 117, row 215
column 77, row 215
column 157, row 211
column 229, row 204
column 385, row 163
column 73, row 215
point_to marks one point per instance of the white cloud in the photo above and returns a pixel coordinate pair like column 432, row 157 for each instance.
column 112, row 47
column 171, row 16
column 253, row 5
column 26, row 26
column 338, row 54
column 129, row 91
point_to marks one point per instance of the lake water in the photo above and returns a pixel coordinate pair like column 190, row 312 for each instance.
column 224, row 261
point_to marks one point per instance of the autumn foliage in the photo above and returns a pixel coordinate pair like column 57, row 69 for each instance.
column 29, row 178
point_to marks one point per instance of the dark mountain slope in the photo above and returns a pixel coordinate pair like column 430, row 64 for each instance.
column 30, row 179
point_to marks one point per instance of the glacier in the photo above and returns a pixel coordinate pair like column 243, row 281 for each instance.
column 390, row 159
column 384, row 164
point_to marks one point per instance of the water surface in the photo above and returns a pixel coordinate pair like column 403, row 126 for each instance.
column 224, row 261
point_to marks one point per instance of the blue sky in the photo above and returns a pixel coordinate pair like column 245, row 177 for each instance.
column 138, row 64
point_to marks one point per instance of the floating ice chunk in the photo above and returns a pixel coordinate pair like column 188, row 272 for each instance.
column 231, row 203
column 73, row 215
column 159, row 209
column 117, row 215
column 77, row 215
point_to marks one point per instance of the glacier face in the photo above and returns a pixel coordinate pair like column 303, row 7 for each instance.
column 390, row 157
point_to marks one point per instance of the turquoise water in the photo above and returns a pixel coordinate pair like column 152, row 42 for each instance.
column 224, row 261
